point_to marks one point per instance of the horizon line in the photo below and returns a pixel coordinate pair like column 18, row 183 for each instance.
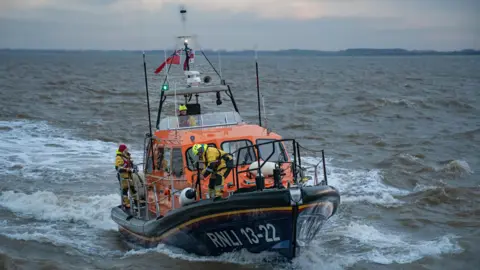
column 247, row 50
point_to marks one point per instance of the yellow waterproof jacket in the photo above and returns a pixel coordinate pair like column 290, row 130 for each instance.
column 187, row 121
column 122, row 163
column 214, row 160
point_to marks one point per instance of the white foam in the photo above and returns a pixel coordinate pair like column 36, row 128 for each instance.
column 356, row 242
column 37, row 147
column 45, row 205
column 237, row 257
column 456, row 166
column 357, row 185
column 351, row 243
column 68, row 236
column 39, row 150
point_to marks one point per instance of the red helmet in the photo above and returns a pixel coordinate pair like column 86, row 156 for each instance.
column 122, row 147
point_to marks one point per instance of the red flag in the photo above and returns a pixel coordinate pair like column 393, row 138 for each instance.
column 174, row 60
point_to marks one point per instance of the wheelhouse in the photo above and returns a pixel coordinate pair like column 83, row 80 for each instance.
column 169, row 164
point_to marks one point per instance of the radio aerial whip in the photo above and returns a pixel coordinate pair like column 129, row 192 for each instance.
column 183, row 13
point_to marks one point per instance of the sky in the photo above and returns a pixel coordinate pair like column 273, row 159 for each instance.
column 241, row 24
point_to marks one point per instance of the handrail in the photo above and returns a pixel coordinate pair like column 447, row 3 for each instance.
column 296, row 164
column 221, row 120
column 296, row 170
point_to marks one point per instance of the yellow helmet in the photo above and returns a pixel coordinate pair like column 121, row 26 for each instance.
column 182, row 108
column 198, row 147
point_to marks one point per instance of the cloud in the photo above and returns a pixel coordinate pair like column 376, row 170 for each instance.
column 267, row 9
column 274, row 24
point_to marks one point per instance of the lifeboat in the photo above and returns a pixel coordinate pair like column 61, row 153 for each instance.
column 268, row 201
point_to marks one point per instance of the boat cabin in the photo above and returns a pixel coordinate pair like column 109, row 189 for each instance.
column 170, row 165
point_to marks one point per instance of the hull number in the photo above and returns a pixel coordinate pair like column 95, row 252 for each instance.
column 231, row 238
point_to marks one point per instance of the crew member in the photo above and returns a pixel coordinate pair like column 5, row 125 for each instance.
column 124, row 168
column 185, row 120
column 218, row 163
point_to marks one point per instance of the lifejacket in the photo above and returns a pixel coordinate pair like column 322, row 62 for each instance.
column 122, row 163
column 216, row 160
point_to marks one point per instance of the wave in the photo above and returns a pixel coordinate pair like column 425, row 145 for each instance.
column 77, row 220
column 94, row 211
column 343, row 244
column 358, row 185
column 417, row 164
column 346, row 244
column 37, row 150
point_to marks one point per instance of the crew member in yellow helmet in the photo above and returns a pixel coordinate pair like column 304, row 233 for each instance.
column 218, row 163
column 185, row 120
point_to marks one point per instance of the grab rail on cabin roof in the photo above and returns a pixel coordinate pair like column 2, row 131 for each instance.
column 219, row 119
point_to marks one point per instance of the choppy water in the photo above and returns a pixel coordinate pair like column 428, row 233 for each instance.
column 402, row 136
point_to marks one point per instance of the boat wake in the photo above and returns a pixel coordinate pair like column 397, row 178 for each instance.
column 80, row 219
column 90, row 211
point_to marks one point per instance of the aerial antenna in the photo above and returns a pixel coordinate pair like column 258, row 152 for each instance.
column 258, row 88
column 264, row 113
column 185, row 37
column 220, row 65
column 150, row 134
column 183, row 13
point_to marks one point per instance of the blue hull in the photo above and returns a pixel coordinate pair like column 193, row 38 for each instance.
column 267, row 231
column 212, row 228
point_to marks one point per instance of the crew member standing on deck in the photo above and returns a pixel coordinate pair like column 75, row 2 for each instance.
column 185, row 120
column 217, row 163
column 124, row 168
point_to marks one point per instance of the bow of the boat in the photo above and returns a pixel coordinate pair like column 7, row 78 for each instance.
column 271, row 220
column 317, row 205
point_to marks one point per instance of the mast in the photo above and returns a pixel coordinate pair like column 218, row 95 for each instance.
column 185, row 39
column 186, row 49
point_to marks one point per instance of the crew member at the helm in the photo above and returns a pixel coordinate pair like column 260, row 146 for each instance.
column 218, row 163
column 185, row 120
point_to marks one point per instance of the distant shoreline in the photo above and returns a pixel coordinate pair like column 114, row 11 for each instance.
column 290, row 52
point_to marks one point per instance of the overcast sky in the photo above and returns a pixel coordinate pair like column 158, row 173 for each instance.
column 240, row 24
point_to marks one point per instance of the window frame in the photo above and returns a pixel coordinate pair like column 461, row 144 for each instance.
column 174, row 167
column 282, row 149
column 254, row 157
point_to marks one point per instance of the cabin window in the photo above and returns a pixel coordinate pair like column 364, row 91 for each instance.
column 167, row 158
column 277, row 148
column 246, row 155
column 161, row 162
column 177, row 162
column 192, row 159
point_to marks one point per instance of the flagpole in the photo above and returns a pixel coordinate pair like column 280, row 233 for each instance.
column 166, row 71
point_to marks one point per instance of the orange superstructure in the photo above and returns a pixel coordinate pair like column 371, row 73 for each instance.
column 174, row 169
